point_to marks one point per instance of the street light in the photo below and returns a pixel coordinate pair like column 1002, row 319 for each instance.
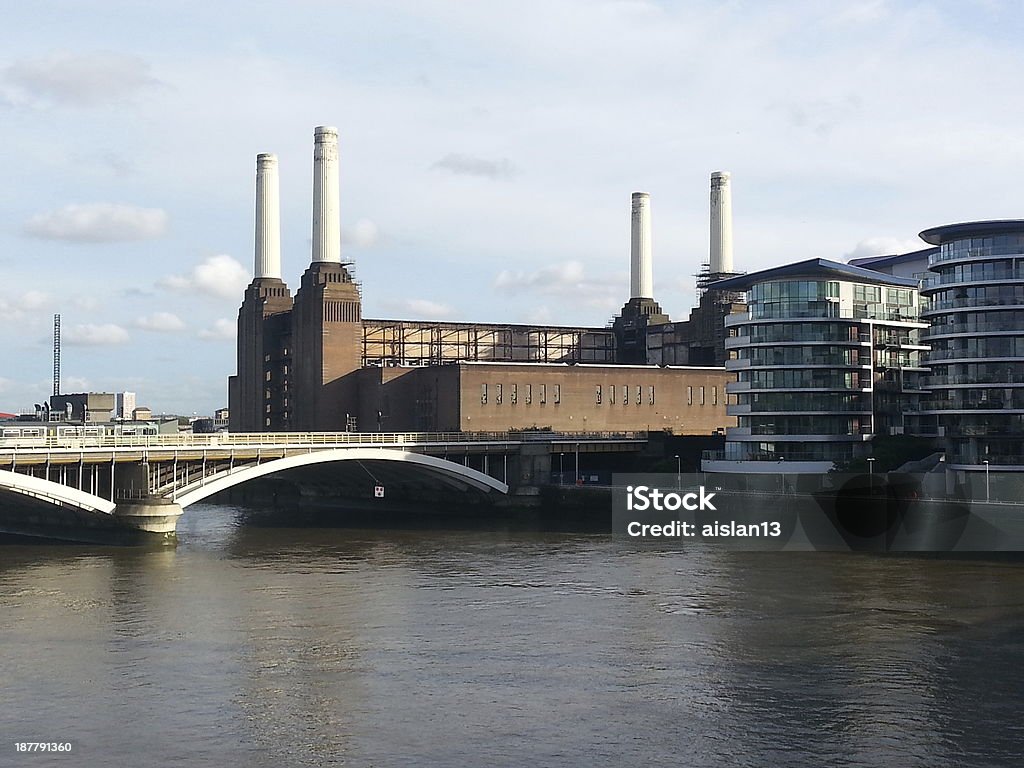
column 679, row 472
column 871, row 471
column 988, row 496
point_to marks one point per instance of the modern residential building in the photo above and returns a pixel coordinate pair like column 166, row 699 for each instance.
column 976, row 314
column 827, row 355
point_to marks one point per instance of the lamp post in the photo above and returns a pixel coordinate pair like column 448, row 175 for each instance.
column 871, row 471
column 561, row 475
column 988, row 496
column 679, row 472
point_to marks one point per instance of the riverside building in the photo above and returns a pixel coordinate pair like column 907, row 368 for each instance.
column 313, row 362
column 975, row 313
column 826, row 356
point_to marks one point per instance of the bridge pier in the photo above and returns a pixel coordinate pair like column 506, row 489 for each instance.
column 153, row 515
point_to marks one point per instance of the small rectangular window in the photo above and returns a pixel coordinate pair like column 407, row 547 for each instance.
column 611, row 394
column 650, row 395
column 483, row 394
column 689, row 395
column 558, row 393
column 497, row 394
column 714, row 395
column 529, row 393
column 597, row 394
column 639, row 395
column 514, row 394
column 543, row 393
column 702, row 395
column 625, row 394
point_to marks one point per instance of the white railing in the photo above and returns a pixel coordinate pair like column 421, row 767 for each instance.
column 295, row 439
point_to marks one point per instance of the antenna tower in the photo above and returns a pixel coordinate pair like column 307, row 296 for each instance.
column 56, row 354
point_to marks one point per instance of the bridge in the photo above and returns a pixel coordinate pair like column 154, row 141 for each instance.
column 145, row 482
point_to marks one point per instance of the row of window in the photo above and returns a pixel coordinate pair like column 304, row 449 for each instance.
column 801, row 355
column 807, row 402
column 513, row 393
column 982, row 346
column 624, row 395
column 975, row 247
column 816, row 378
column 758, row 333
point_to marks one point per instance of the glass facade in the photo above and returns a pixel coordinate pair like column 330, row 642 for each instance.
column 820, row 365
column 976, row 312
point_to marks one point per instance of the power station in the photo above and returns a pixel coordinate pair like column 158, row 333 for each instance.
column 313, row 362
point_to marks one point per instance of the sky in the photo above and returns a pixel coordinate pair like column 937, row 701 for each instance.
column 488, row 154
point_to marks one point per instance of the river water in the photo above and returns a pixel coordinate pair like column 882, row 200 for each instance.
column 263, row 646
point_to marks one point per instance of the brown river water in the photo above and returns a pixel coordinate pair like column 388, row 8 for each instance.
column 275, row 646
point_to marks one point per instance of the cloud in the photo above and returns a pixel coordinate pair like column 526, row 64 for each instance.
column 423, row 309
column 883, row 246
column 222, row 329
column 220, row 276
column 16, row 308
column 90, row 335
column 362, row 234
column 80, row 80
column 467, row 165
column 161, row 322
column 98, row 223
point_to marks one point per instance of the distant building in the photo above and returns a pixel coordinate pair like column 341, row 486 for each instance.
column 124, row 405
column 83, row 406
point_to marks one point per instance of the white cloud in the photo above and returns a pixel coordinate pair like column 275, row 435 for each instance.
column 161, row 322
column 362, row 234
column 422, row 309
column 83, row 79
column 16, row 308
column 221, row 329
column 98, row 223
column 468, row 165
column 220, row 276
column 567, row 278
column 883, row 246
column 91, row 335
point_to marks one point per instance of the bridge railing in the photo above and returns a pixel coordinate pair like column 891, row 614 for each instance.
column 312, row 439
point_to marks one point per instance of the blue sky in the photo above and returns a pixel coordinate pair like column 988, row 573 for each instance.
column 488, row 155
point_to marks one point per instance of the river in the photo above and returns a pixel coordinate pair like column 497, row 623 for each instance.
column 274, row 646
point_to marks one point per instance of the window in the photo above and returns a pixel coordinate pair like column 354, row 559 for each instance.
column 558, row 393
column 625, row 394
column 529, row 393
column 689, row 395
column 497, row 394
column 702, row 395
column 650, row 395
column 597, row 394
column 514, row 394
column 714, row 395
column 483, row 394
column 611, row 394
column 543, row 393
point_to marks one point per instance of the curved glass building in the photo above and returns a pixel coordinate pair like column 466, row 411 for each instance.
column 827, row 355
column 976, row 312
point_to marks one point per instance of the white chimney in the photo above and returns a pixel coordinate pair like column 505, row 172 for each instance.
column 326, row 214
column 268, row 218
column 641, row 282
column 721, row 224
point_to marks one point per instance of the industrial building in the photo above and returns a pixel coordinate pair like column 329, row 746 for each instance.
column 313, row 362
